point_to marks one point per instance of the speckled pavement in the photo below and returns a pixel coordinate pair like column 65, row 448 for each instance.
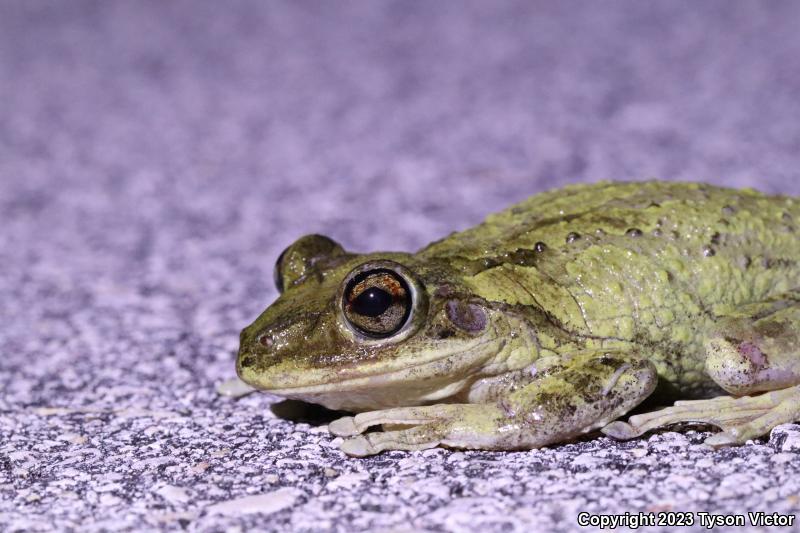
column 156, row 157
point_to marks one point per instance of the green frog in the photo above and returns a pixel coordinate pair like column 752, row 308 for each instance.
column 549, row 320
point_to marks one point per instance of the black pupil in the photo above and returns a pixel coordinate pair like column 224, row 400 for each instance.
column 372, row 302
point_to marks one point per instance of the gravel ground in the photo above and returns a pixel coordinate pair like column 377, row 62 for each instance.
column 156, row 157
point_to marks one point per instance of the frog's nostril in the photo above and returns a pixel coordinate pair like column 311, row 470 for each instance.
column 266, row 341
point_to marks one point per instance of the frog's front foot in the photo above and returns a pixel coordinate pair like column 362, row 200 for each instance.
column 234, row 388
column 590, row 391
column 419, row 428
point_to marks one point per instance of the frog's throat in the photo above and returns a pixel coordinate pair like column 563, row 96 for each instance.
column 420, row 383
column 450, row 365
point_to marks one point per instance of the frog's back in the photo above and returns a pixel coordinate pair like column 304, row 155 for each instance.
column 651, row 262
column 615, row 207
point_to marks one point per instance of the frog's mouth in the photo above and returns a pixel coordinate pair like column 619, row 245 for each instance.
column 439, row 376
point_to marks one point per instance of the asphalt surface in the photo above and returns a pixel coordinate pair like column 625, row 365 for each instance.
column 155, row 158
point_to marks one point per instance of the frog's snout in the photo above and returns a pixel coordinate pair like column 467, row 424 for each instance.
column 256, row 354
column 283, row 334
column 263, row 347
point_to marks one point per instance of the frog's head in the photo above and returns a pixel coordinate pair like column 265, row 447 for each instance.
column 359, row 332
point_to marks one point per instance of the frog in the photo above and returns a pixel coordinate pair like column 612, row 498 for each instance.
column 553, row 319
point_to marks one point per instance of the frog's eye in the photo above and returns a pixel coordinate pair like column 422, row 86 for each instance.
column 277, row 273
column 301, row 258
column 377, row 302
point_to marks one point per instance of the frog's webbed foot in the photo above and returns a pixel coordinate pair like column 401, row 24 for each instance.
column 740, row 419
column 591, row 390
column 234, row 388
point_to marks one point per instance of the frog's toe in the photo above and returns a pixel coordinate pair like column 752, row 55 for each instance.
column 621, row 430
column 721, row 439
column 357, row 447
column 234, row 388
column 343, row 427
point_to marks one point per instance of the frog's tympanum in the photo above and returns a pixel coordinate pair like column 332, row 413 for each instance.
column 547, row 321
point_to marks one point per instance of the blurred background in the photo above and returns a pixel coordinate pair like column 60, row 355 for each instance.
column 156, row 157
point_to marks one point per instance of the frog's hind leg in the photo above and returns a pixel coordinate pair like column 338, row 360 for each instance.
column 740, row 419
column 756, row 350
